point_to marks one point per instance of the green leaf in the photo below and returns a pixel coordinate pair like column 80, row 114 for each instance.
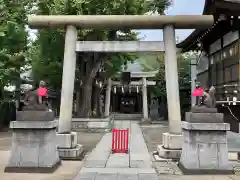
column 2, row 34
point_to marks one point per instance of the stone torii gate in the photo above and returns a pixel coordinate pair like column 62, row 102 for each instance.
column 144, row 83
column 172, row 140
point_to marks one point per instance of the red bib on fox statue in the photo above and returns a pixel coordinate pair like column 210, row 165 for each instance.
column 198, row 92
column 42, row 91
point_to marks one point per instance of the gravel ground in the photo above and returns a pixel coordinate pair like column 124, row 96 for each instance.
column 153, row 137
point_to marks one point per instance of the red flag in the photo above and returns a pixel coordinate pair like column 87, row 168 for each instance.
column 197, row 92
column 42, row 92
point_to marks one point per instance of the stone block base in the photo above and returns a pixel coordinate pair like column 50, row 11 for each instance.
column 68, row 140
column 68, row 148
column 74, row 153
column 34, row 116
column 49, row 169
column 34, row 147
column 172, row 141
column 203, row 109
column 171, row 147
column 173, row 154
column 204, row 117
column 205, row 148
column 217, row 171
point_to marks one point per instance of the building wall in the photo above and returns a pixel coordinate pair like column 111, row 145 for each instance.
column 220, row 65
column 230, row 37
column 202, row 70
column 118, row 107
column 214, row 47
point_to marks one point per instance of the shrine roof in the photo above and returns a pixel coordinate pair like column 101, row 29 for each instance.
column 215, row 8
column 137, row 71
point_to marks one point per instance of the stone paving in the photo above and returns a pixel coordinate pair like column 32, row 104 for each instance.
column 100, row 164
column 137, row 165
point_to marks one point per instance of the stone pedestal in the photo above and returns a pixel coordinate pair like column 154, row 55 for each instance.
column 34, row 146
column 204, row 149
column 68, row 148
column 171, row 147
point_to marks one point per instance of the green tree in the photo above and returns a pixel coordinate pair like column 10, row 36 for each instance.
column 13, row 39
column 47, row 64
column 159, row 91
column 13, row 47
column 153, row 62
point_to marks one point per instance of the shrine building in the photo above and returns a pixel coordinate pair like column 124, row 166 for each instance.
column 219, row 54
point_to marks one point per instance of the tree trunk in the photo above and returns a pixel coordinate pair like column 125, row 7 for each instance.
column 85, row 110
column 97, row 97
column 92, row 66
column 100, row 106
column 87, row 92
column 78, row 99
column 94, row 102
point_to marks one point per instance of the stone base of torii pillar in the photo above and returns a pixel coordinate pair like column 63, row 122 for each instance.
column 68, row 149
column 171, row 147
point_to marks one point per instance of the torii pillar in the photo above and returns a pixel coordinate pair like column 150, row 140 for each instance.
column 67, row 140
column 108, row 98
column 172, row 140
column 144, row 98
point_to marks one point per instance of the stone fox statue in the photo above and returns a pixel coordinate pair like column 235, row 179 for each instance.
column 34, row 101
column 209, row 98
column 207, row 103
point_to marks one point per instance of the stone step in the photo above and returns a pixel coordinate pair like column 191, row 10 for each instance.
column 119, row 170
column 127, row 115
column 127, row 118
column 112, row 174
